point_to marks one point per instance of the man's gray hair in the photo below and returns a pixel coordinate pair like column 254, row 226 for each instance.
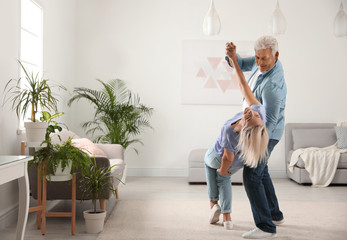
column 265, row 42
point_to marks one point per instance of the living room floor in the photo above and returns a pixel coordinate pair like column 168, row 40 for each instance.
column 162, row 188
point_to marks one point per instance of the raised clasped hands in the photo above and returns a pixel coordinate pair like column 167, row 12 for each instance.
column 230, row 51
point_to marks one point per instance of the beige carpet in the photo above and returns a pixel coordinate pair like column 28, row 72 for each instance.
column 180, row 219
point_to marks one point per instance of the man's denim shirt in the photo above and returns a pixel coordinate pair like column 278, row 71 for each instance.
column 270, row 90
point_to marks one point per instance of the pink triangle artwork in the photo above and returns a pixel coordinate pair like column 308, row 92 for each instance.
column 206, row 76
column 210, row 83
column 214, row 61
column 201, row 73
column 224, row 84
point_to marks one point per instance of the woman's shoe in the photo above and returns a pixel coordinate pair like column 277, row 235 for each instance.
column 215, row 212
column 228, row 225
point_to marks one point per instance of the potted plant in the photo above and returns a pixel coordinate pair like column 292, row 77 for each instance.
column 96, row 182
column 31, row 93
column 61, row 160
column 119, row 116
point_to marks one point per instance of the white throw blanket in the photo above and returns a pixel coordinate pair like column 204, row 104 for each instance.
column 320, row 163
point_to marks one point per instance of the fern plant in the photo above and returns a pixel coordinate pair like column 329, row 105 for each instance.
column 54, row 155
column 119, row 116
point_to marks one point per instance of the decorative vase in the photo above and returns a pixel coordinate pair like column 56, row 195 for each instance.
column 94, row 221
column 35, row 131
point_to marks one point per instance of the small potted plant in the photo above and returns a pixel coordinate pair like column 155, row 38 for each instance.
column 31, row 93
column 96, row 182
column 61, row 160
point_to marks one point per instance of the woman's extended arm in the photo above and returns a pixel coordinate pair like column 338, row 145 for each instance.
column 227, row 160
column 243, row 85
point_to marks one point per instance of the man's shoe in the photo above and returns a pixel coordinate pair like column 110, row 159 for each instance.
column 257, row 233
column 228, row 225
column 214, row 215
column 277, row 223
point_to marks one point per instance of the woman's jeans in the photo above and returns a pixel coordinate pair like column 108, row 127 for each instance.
column 218, row 185
column 261, row 194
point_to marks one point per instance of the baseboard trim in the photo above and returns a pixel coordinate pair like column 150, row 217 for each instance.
column 179, row 172
column 8, row 216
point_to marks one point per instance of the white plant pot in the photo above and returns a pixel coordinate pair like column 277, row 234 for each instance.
column 94, row 221
column 61, row 175
column 35, row 131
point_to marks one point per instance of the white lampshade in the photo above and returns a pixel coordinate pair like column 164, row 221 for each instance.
column 340, row 23
column 211, row 25
column 278, row 23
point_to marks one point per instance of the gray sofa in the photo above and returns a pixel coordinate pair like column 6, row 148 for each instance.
column 196, row 168
column 303, row 135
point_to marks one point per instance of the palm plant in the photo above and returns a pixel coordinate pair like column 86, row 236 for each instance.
column 35, row 93
column 119, row 116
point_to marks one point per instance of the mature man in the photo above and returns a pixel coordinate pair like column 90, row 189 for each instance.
column 268, row 85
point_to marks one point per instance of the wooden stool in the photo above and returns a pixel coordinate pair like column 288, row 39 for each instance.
column 41, row 207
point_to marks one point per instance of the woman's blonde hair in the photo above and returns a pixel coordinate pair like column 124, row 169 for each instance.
column 252, row 144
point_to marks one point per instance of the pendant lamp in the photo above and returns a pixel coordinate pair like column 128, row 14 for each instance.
column 278, row 23
column 211, row 25
column 340, row 22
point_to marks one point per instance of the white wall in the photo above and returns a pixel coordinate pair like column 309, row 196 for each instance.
column 141, row 43
column 9, row 141
column 59, row 66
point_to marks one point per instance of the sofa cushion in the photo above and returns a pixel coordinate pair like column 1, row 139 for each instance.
column 88, row 147
column 341, row 135
column 303, row 138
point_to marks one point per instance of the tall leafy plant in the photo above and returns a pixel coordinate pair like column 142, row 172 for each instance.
column 31, row 92
column 119, row 116
column 96, row 182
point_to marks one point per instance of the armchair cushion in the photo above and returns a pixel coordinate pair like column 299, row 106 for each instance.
column 88, row 147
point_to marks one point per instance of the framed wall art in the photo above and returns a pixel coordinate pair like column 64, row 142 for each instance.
column 206, row 76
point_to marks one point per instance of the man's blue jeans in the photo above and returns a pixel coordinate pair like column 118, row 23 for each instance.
column 261, row 194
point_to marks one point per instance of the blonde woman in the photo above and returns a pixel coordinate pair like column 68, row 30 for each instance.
column 243, row 141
